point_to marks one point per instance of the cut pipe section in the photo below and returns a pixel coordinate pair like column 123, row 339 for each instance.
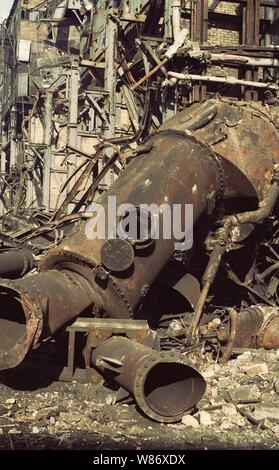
column 256, row 327
column 163, row 385
column 16, row 263
column 34, row 308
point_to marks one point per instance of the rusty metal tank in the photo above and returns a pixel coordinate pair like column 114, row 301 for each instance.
column 209, row 151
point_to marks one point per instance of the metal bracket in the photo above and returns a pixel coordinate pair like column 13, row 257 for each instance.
column 98, row 330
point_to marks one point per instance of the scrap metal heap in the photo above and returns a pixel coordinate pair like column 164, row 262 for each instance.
column 210, row 152
column 142, row 306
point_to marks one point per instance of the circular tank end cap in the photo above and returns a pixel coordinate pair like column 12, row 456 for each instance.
column 117, row 255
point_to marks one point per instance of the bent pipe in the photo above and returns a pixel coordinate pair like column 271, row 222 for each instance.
column 15, row 263
column 183, row 166
column 267, row 205
column 34, row 308
column 163, row 385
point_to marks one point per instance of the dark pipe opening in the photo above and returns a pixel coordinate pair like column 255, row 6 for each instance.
column 13, row 328
column 12, row 321
column 171, row 389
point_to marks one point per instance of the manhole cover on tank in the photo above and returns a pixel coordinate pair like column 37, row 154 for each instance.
column 117, row 255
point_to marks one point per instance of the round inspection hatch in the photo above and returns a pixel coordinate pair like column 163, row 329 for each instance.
column 117, row 255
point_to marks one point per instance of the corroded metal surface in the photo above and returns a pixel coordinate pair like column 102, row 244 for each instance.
column 16, row 263
column 165, row 387
column 254, row 327
column 179, row 168
column 244, row 134
column 34, row 308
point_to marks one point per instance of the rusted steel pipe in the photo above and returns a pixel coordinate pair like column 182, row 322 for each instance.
column 227, row 80
column 256, row 327
column 268, row 271
column 208, row 279
column 266, row 207
column 149, row 74
column 34, row 308
column 226, row 353
column 15, row 263
column 164, row 386
column 244, row 60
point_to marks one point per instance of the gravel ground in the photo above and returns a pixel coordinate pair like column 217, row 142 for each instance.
column 240, row 410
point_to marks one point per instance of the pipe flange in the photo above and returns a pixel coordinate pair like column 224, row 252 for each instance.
column 146, row 366
column 32, row 307
column 32, row 311
column 268, row 319
column 61, row 259
column 28, row 261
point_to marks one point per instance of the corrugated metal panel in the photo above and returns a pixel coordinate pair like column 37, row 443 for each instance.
column 24, row 49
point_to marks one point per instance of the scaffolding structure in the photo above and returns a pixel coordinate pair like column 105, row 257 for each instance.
column 77, row 73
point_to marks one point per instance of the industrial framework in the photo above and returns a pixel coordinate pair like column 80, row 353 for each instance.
column 74, row 74
column 148, row 101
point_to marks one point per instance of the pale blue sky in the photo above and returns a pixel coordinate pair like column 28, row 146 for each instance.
column 5, row 6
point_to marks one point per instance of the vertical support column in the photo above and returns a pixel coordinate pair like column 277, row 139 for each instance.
column 3, row 172
column 110, row 75
column 253, row 22
column 110, row 86
column 252, row 39
column 167, row 20
column 13, row 144
column 200, row 29
column 47, row 156
column 243, row 26
column 73, row 122
column 29, row 188
column 202, row 23
column 3, row 163
column 271, row 37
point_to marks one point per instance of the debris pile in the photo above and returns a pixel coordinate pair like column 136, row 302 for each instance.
column 237, row 411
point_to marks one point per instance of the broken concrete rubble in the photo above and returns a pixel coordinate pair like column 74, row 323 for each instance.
column 256, row 369
column 266, row 412
column 205, row 418
column 86, row 408
column 243, row 393
column 190, row 421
